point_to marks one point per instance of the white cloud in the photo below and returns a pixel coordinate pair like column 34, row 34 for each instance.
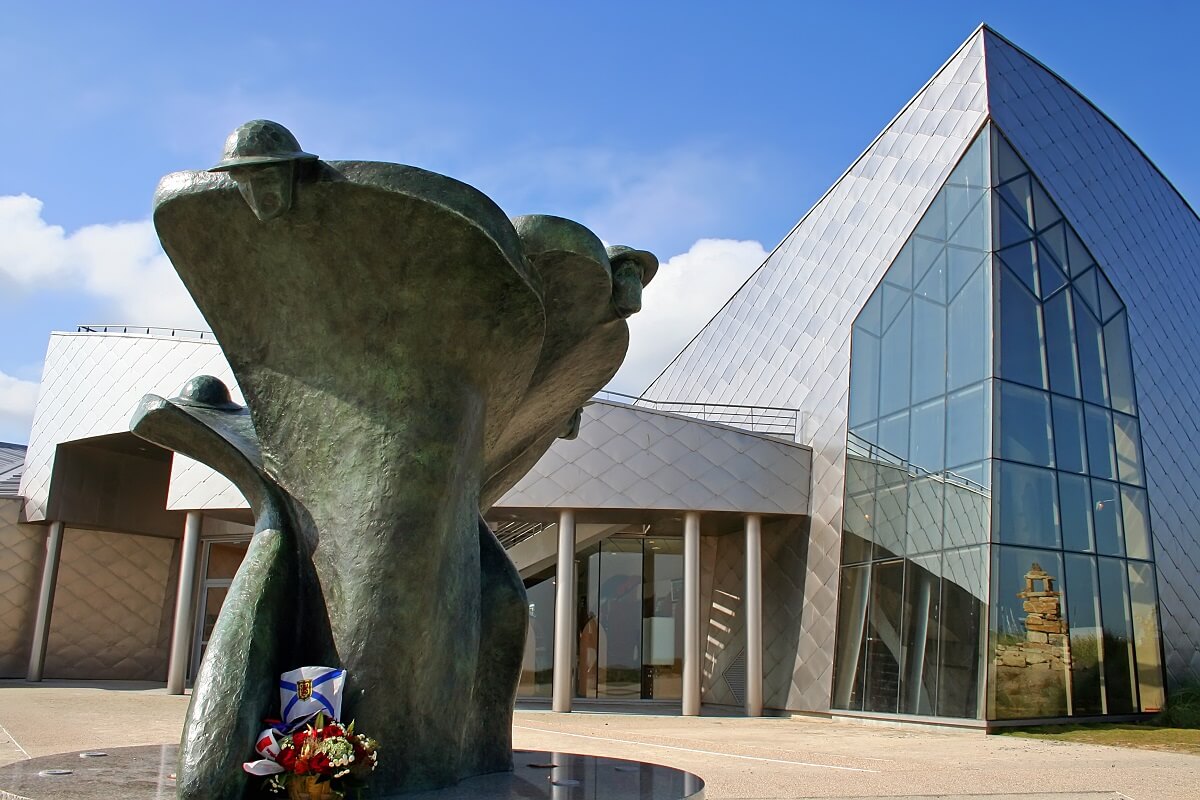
column 661, row 199
column 17, row 399
column 120, row 264
column 688, row 290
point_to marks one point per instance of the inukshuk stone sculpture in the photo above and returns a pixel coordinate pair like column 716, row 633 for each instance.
column 406, row 353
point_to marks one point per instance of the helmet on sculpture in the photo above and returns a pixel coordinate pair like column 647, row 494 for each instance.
column 644, row 258
column 260, row 142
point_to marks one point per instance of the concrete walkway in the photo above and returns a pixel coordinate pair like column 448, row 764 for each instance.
column 798, row 757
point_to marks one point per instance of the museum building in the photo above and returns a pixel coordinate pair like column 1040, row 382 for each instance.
column 933, row 461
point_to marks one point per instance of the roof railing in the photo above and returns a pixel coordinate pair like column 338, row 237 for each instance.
column 784, row 423
column 183, row 333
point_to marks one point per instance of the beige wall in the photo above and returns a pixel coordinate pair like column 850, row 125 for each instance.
column 113, row 607
column 22, row 549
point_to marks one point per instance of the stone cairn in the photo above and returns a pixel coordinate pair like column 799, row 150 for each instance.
column 1047, row 645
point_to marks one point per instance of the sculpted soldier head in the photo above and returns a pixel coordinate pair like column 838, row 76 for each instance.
column 261, row 157
column 631, row 271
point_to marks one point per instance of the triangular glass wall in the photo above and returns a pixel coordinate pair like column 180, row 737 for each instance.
column 1074, row 620
column 993, row 433
column 913, row 585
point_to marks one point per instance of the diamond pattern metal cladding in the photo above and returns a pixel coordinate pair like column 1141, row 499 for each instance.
column 112, row 607
column 630, row 457
column 91, row 384
column 22, row 548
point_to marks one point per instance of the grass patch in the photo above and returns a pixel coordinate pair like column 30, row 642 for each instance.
column 1140, row 736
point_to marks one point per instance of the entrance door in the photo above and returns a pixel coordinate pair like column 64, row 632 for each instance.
column 221, row 561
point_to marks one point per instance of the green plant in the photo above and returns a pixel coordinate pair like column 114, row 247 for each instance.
column 1183, row 708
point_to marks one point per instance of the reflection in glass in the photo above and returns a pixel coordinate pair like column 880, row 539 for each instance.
column 1146, row 637
column 619, row 663
column 1136, row 518
column 1101, row 460
column 1091, row 355
column 537, row 666
column 927, row 442
column 929, row 349
column 1087, row 679
column 1120, row 364
column 851, row 653
column 896, row 366
column 1068, row 435
column 1060, row 345
column 893, row 436
column 922, row 597
column 963, row 606
column 1106, row 517
column 859, row 511
column 864, row 376
column 1023, row 419
column 662, row 619
column 925, row 515
column 1129, row 449
column 967, row 513
column 967, row 425
column 891, row 509
column 1075, row 505
column 883, row 637
column 969, row 332
column 1020, row 334
column 1026, row 507
column 1030, row 646
column 1119, row 676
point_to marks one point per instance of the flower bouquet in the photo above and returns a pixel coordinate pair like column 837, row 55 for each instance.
column 322, row 761
column 309, row 754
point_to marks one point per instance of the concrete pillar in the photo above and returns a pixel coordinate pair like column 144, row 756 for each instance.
column 564, row 613
column 181, row 631
column 691, row 614
column 754, row 638
column 41, row 625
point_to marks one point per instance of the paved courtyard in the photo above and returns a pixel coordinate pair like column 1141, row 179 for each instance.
column 797, row 757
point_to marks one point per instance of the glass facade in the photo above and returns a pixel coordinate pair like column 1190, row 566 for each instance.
column 629, row 622
column 914, row 579
column 996, row 549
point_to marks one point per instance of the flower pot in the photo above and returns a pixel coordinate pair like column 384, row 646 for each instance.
column 307, row 788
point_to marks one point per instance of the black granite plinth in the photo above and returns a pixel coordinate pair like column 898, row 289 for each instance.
column 148, row 773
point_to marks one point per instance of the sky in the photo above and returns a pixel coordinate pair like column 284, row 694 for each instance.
column 701, row 131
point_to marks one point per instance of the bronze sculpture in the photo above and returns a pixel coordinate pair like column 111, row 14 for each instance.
column 406, row 353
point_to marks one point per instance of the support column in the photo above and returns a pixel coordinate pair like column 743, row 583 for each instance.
column 754, row 639
column 691, row 614
column 41, row 625
column 564, row 613
column 181, row 631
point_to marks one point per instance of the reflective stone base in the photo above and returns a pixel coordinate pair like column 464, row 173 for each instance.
column 148, row 773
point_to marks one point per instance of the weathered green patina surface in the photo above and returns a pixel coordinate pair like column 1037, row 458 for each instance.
column 406, row 353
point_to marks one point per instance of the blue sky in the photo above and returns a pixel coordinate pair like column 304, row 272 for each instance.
column 701, row 131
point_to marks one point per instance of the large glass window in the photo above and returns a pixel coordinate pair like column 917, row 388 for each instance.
column 992, row 394
column 918, row 467
column 629, row 601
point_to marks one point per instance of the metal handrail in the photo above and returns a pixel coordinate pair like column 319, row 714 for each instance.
column 184, row 333
column 857, row 445
column 776, row 421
